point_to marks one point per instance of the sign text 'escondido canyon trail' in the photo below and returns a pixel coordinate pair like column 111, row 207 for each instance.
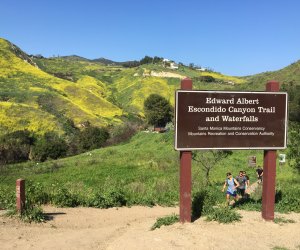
column 230, row 120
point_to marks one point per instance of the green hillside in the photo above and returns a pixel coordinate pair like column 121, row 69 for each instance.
column 35, row 100
column 287, row 75
column 103, row 92
column 129, row 87
column 143, row 171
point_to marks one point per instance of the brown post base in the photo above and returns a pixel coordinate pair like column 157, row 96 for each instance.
column 268, row 195
column 20, row 193
column 185, row 186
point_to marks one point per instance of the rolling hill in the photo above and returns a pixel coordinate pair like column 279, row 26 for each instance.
column 129, row 87
column 43, row 94
column 289, row 77
column 286, row 76
column 38, row 101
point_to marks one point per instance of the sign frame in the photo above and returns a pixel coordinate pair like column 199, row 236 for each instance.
column 233, row 148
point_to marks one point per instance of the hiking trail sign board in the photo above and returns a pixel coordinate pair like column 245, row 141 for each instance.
column 230, row 120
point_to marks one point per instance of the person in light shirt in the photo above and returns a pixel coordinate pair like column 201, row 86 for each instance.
column 231, row 189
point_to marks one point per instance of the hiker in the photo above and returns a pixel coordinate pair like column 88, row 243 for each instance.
column 247, row 180
column 231, row 190
column 260, row 173
column 241, row 179
column 247, row 185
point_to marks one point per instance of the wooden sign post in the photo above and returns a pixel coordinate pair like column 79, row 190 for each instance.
column 185, row 172
column 229, row 120
column 268, row 195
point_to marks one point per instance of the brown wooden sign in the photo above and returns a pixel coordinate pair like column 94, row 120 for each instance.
column 230, row 120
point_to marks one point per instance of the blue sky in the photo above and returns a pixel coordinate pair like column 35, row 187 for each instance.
column 233, row 37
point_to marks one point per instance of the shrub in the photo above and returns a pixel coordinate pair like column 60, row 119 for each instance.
column 206, row 202
column 15, row 146
column 279, row 248
column 50, row 145
column 122, row 133
column 7, row 199
column 223, row 215
column 107, row 199
column 207, row 79
column 288, row 201
column 281, row 220
column 211, row 198
column 62, row 197
column 31, row 213
column 92, row 138
column 165, row 221
column 294, row 147
column 36, row 194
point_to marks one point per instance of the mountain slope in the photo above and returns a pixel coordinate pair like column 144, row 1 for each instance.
column 289, row 78
column 49, row 92
column 287, row 75
column 129, row 87
column 41, row 101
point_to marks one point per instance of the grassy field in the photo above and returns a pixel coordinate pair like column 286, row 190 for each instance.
column 144, row 171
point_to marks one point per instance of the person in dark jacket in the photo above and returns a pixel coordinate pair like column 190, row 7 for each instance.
column 260, row 173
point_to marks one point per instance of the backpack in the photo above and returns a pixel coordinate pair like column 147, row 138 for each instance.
column 233, row 182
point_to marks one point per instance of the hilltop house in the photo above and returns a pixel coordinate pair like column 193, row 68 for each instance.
column 170, row 64
column 201, row 69
column 173, row 65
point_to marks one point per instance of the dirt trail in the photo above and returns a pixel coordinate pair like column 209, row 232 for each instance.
column 129, row 228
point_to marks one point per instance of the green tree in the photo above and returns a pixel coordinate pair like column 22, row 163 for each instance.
column 146, row 60
column 207, row 79
column 158, row 110
column 50, row 145
column 157, row 59
column 191, row 65
column 209, row 159
column 92, row 138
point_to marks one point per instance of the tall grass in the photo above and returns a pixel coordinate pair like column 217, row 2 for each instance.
column 145, row 171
